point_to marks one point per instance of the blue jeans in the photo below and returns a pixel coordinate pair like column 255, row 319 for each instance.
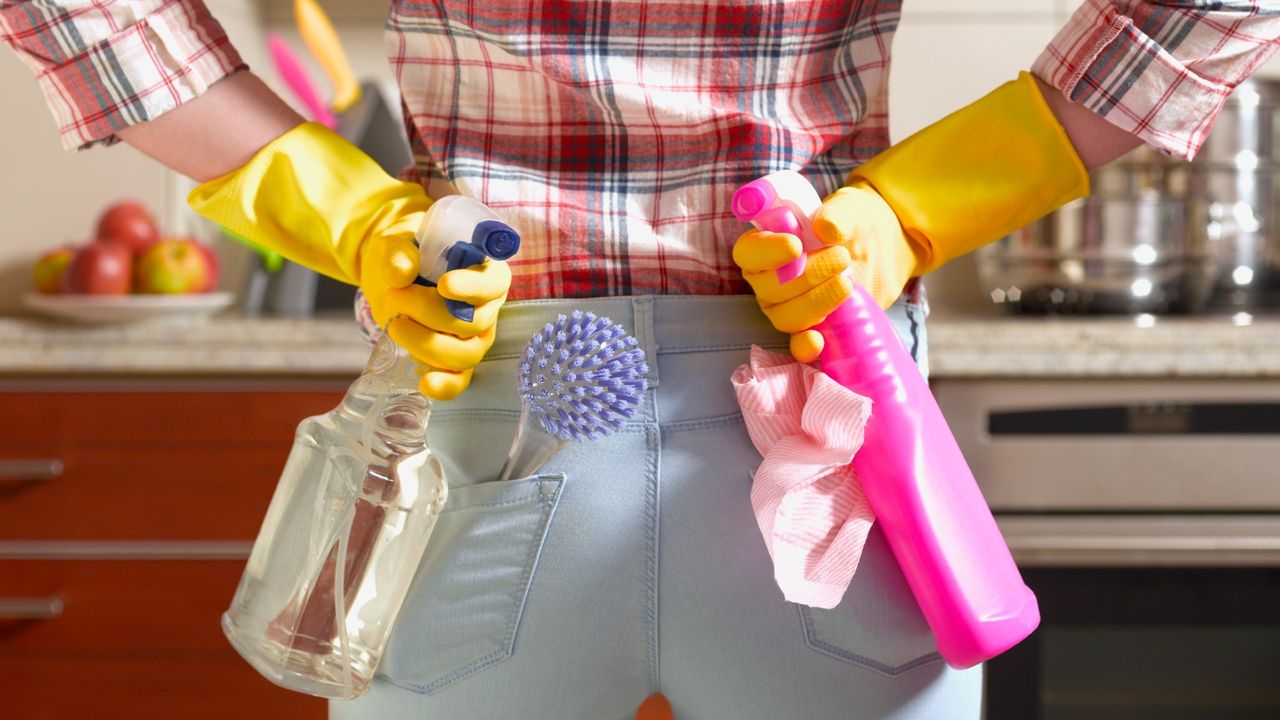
column 633, row 564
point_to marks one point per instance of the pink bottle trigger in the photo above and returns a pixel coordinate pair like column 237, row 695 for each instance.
column 781, row 219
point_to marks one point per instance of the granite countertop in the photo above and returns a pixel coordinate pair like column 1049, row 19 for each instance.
column 222, row 345
column 990, row 347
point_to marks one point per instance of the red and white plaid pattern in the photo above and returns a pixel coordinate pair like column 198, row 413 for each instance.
column 1160, row 70
column 612, row 134
column 107, row 64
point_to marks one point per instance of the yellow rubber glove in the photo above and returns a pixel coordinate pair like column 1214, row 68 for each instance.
column 316, row 199
column 968, row 179
column 794, row 306
column 863, row 238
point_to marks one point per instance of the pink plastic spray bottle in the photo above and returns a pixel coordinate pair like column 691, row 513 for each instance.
column 918, row 484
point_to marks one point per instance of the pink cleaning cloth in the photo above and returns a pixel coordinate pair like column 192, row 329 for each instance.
column 807, row 500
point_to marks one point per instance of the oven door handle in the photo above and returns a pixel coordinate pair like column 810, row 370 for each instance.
column 1170, row 540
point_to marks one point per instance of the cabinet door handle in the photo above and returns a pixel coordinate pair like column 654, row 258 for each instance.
column 40, row 608
column 29, row 470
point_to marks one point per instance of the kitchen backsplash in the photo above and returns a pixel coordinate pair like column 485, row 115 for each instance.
column 946, row 54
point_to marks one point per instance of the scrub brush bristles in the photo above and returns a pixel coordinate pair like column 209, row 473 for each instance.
column 582, row 376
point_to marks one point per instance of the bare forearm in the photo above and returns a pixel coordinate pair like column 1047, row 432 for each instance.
column 1096, row 141
column 218, row 131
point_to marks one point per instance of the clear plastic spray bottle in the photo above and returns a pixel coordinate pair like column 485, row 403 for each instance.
column 356, row 504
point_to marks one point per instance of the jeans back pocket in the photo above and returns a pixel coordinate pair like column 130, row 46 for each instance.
column 878, row 623
column 465, row 605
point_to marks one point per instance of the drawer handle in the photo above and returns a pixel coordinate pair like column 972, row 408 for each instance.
column 45, row 608
column 17, row 471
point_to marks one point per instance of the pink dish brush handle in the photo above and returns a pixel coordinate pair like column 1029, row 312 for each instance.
column 293, row 74
column 919, row 485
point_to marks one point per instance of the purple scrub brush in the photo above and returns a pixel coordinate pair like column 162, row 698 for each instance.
column 580, row 379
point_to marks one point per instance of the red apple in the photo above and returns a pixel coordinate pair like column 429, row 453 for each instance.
column 171, row 266
column 50, row 268
column 130, row 223
column 100, row 268
column 215, row 267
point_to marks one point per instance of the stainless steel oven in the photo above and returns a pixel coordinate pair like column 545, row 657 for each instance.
column 1146, row 517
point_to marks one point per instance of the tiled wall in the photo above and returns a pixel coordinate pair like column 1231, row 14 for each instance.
column 947, row 53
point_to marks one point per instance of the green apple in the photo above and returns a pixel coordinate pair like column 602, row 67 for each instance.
column 173, row 266
column 50, row 268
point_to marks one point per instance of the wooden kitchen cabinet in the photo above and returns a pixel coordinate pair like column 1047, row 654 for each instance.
column 132, row 639
column 145, row 464
column 126, row 515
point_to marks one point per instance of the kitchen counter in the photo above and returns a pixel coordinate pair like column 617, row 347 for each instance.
column 223, row 345
column 959, row 347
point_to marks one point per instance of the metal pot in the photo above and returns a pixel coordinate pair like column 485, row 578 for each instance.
column 1106, row 254
column 1238, row 172
column 1159, row 234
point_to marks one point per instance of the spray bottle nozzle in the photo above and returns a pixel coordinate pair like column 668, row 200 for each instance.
column 496, row 239
column 460, row 232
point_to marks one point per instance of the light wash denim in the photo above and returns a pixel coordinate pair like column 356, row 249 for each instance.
column 634, row 565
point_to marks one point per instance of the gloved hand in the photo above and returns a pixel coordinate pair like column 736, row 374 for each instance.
column 316, row 199
column 866, row 245
column 968, row 179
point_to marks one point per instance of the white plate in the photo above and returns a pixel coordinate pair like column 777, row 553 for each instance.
column 126, row 308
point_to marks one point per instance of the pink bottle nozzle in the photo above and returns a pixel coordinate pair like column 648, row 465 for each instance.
column 751, row 199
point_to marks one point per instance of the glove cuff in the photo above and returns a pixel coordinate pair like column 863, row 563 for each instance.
column 314, row 198
column 978, row 174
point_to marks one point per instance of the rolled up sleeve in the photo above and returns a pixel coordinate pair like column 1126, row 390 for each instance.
column 104, row 65
column 1159, row 69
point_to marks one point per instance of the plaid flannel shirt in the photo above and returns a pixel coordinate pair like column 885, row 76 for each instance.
column 1160, row 70
column 612, row 134
column 104, row 65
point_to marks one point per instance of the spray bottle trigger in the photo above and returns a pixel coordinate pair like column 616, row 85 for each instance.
column 462, row 255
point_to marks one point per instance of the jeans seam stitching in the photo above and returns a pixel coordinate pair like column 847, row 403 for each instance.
column 634, row 426
column 470, row 668
column 811, row 639
column 669, row 349
column 526, row 581
column 549, row 485
column 678, row 349
column 654, row 438
column 704, row 423
column 517, row 501
column 915, row 333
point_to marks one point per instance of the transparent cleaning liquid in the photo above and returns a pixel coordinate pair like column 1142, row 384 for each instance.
column 345, row 530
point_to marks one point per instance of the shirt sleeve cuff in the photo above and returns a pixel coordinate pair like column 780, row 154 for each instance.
column 1104, row 61
column 165, row 59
